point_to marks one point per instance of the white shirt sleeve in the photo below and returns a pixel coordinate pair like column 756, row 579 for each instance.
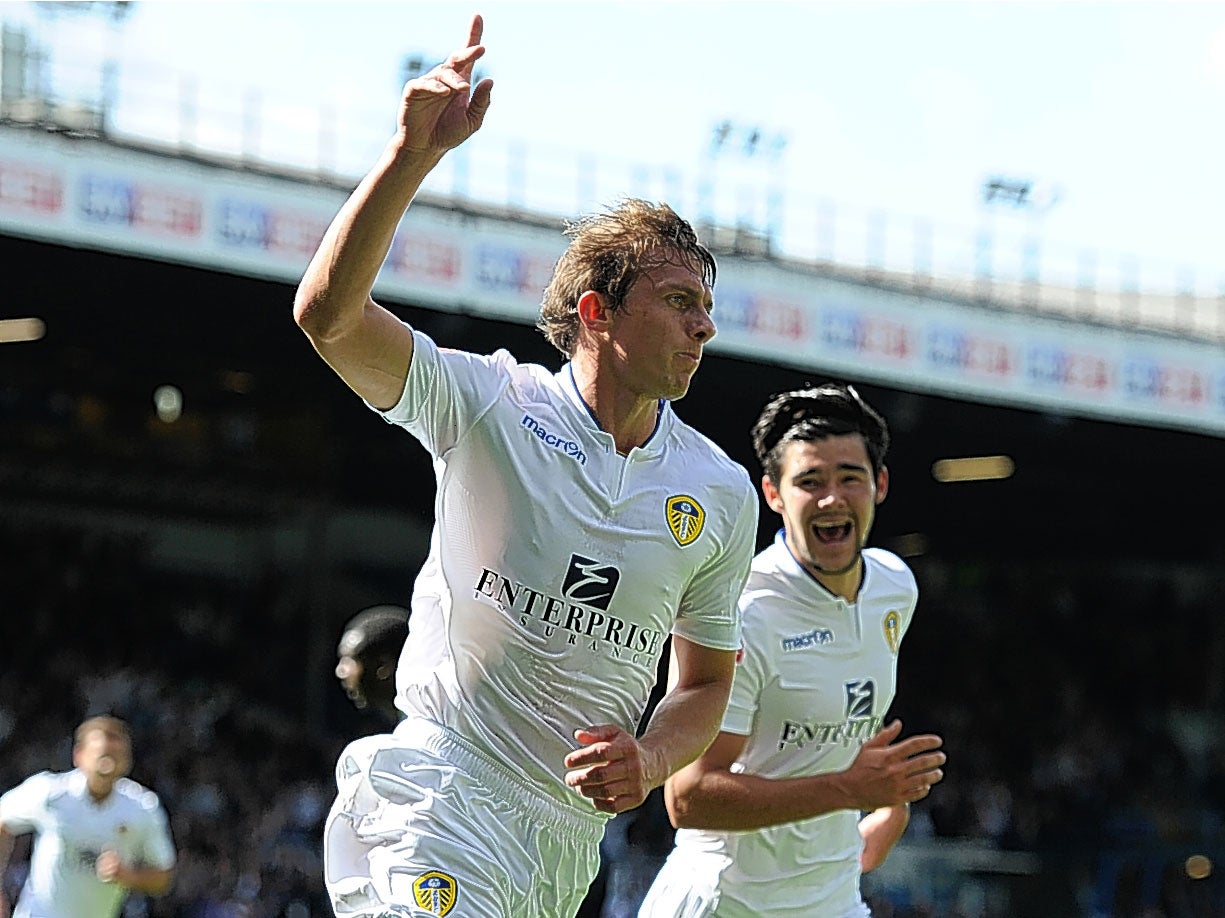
column 23, row 808
column 709, row 612
column 752, row 671
column 158, row 845
column 447, row 392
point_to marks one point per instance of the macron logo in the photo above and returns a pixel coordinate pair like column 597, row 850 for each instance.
column 569, row 447
column 814, row 638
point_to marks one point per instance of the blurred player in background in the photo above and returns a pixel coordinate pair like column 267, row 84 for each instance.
column 578, row 523
column 769, row 817
column 367, row 654
column 99, row 835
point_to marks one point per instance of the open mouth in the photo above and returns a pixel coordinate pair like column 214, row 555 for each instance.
column 832, row 533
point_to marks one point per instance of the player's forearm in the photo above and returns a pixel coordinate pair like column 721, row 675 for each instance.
column 721, row 800
column 147, row 880
column 881, row 830
column 336, row 285
column 684, row 724
column 6, row 848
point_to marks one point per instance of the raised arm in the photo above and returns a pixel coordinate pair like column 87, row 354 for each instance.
column 365, row 344
column 617, row 771
column 708, row 795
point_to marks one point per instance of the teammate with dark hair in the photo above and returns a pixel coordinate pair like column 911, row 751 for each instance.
column 367, row 654
column 769, row 817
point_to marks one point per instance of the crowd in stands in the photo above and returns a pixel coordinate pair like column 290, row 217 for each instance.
column 1081, row 710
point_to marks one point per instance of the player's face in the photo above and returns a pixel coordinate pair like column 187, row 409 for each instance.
column 659, row 335
column 103, row 754
column 349, row 672
column 827, row 496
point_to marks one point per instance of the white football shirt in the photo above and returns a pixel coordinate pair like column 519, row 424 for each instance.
column 557, row 567
column 815, row 681
column 72, row 830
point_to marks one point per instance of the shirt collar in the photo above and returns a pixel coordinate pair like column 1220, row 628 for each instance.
column 664, row 416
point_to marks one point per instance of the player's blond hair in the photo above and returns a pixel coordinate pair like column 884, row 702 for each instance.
column 607, row 253
column 111, row 726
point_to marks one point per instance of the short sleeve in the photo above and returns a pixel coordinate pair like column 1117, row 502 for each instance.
column 752, row 665
column 158, row 851
column 447, row 392
column 22, row 809
column 709, row 612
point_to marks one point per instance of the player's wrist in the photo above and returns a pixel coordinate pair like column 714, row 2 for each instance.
column 841, row 793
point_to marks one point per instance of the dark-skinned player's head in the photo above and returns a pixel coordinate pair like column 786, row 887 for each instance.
column 368, row 652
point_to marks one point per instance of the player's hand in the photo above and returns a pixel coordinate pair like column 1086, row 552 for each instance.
column 887, row 773
column 609, row 768
column 440, row 109
column 108, row 866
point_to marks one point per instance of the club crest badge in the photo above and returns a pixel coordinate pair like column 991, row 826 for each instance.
column 893, row 630
column 685, row 519
column 435, row 892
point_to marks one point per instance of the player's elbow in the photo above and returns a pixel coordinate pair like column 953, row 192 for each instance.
column 678, row 799
column 309, row 313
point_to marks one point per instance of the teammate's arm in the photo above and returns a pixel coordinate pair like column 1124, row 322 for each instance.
column 365, row 344
column 708, row 795
column 6, row 851
column 617, row 771
column 880, row 831
column 151, row 881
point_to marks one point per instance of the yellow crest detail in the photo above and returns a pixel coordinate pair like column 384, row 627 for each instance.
column 435, row 892
column 685, row 519
column 893, row 630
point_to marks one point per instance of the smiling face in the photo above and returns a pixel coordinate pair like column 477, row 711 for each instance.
column 658, row 333
column 827, row 495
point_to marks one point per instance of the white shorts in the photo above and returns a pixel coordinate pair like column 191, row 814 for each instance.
column 425, row 824
column 688, row 889
column 679, row 893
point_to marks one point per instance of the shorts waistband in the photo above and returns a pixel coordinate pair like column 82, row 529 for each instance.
column 511, row 786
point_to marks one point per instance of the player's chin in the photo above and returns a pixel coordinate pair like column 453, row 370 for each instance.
column 676, row 388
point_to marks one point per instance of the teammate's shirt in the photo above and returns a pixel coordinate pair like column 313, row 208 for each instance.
column 566, row 565
column 815, row 681
column 72, row 830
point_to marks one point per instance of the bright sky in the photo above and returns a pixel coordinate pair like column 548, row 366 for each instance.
column 909, row 106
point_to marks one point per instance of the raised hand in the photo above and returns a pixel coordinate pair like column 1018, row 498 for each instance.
column 609, row 769
column 440, row 109
column 887, row 773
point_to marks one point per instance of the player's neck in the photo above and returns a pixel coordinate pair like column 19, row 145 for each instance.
column 628, row 417
column 844, row 584
column 99, row 788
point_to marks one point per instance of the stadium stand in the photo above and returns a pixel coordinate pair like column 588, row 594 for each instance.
column 191, row 575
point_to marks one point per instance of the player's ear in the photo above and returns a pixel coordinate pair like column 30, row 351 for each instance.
column 593, row 311
column 770, row 492
column 882, row 484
